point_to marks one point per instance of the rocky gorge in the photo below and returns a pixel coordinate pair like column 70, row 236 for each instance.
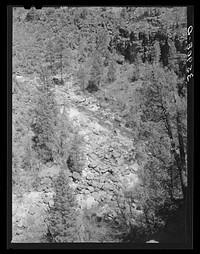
column 110, row 166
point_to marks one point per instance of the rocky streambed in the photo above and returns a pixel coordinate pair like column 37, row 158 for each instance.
column 110, row 166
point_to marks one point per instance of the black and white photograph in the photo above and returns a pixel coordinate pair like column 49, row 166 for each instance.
column 100, row 126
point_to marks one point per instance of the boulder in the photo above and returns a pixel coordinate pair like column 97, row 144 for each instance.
column 46, row 199
column 95, row 131
column 114, row 144
column 76, row 176
column 96, row 195
column 135, row 167
column 37, row 214
column 68, row 173
column 89, row 202
column 111, row 187
column 32, row 210
column 102, row 193
column 110, row 149
column 100, row 185
column 39, row 202
column 89, row 176
column 117, row 131
column 118, row 119
column 89, row 182
column 95, row 182
column 102, row 179
column 79, row 187
column 86, row 191
column 58, row 81
column 103, row 168
column 113, row 178
column 120, row 161
column 51, row 203
column 90, row 188
column 113, row 198
column 22, row 224
column 109, row 123
column 106, row 186
column 82, row 191
column 106, row 177
column 14, row 209
column 39, row 188
column 107, row 156
column 102, row 198
column 93, row 108
column 103, row 105
column 30, row 219
column 116, row 155
column 44, row 188
column 50, row 177
column 17, row 218
column 93, row 156
column 93, row 164
column 107, row 197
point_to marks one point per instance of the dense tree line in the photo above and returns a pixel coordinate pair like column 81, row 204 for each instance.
column 132, row 58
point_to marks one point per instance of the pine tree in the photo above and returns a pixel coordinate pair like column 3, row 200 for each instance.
column 81, row 74
column 96, row 70
column 111, row 72
column 172, row 57
column 50, row 56
column 44, row 126
column 62, row 216
column 156, row 53
column 164, row 125
column 75, row 159
column 65, row 136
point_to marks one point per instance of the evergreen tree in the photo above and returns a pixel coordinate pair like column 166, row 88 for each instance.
column 102, row 41
column 96, row 70
column 65, row 136
column 173, row 62
column 156, row 53
column 164, row 123
column 50, row 56
column 44, row 126
column 81, row 74
column 63, row 216
column 75, row 159
column 111, row 75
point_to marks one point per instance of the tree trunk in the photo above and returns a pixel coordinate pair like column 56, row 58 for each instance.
column 181, row 143
column 182, row 162
column 179, row 159
column 61, row 67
